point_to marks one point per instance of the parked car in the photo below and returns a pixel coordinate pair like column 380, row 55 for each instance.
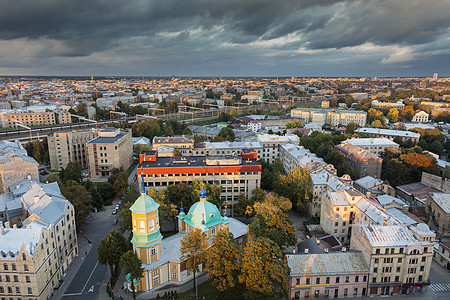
column 114, row 212
column 120, row 202
column 115, row 222
column 117, row 207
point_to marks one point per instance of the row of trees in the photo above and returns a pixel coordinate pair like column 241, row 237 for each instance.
column 152, row 127
column 257, row 268
column 86, row 195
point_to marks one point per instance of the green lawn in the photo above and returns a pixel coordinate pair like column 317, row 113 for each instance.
column 310, row 104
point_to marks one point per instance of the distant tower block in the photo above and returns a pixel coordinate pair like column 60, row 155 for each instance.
column 435, row 76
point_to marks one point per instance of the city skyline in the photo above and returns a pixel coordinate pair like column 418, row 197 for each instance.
column 228, row 39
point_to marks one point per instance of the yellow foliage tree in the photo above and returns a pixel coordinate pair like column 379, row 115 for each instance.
column 263, row 272
column 222, row 260
column 193, row 250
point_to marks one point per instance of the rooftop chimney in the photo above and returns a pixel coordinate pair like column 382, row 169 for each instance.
column 344, row 249
column 306, row 251
column 36, row 198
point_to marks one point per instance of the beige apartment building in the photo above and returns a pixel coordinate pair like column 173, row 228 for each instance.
column 63, row 117
column 112, row 149
column 332, row 117
column 177, row 142
column 65, row 147
column 438, row 212
column 28, row 262
column 399, row 258
column 28, row 118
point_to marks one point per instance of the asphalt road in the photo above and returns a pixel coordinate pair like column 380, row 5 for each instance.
column 86, row 283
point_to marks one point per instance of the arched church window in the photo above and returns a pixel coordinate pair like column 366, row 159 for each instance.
column 141, row 226
column 150, row 225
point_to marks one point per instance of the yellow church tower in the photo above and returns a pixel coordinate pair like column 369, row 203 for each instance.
column 146, row 230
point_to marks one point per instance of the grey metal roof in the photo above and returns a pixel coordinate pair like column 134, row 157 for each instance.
column 108, row 139
column 332, row 263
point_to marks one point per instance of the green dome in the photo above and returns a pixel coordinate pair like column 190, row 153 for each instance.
column 144, row 204
column 203, row 211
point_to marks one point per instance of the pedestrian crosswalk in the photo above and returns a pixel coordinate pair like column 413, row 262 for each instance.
column 440, row 287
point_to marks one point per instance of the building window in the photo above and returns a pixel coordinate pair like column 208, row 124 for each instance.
column 155, row 272
column 318, row 280
column 355, row 291
column 5, row 267
column 17, row 290
column 156, row 281
column 25, row 267
column 356, row 278
column 16, row 279
column 9, row 289
column 27, row 278
column 24, row 257
column 345, row 292
column 213, row 230
column 364, row 278
column 153, row 251
column 30, row 290
column 308, row 280
column 374, row 280
column 399, row 260
column 327, row 280
column 174, row 275
column 7, row 278
column 347, row 278
column 141, row 226
column 337, row 279
column 376, row 260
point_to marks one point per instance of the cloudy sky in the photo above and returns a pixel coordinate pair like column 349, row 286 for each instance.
column 225, row 37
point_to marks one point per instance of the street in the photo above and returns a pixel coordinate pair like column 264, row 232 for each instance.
column 86, row 282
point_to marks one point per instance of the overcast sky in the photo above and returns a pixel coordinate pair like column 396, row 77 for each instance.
column 225, row 37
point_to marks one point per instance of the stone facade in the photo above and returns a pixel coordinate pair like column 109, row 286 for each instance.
column 16, row 168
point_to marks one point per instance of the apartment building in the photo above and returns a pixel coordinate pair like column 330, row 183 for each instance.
column 363, row 162
column 331, row 117
column 111, row 149
column 65, row 147
column 399, row 258
column 10, row 119
column 235, row 174
column 294, row 156
column 32, row 202
column 438, row 211
column 390, row 134
column 373, row 187
column 181, row 142
column 442, row 255
column 327, row 275
column 271, row 144
column 380, row 104
column 63, row 117
column 341, row 209
column 373, row 145
column 15, row 165
column 28, row 261
column 225, row 148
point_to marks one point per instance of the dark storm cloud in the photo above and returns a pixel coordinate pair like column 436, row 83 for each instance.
column 253, row 33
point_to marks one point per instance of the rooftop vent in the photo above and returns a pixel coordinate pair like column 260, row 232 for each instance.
column 306, row 251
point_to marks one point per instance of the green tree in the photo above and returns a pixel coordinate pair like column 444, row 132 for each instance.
column 111, row 249
column 436, row 147
column 125, row 217
column 106, row 191
column 295, row 186
column 263, row 271
column 121, row 183
column 351, row 127
column 193, row 250
column 226, row 134
column 131, row 195
column 294, row 124
column 181, row 195
column 186, row 131
column 132, row 265
column 71, row 172
column 81, row 110
column 80, row 198
column 222, row 260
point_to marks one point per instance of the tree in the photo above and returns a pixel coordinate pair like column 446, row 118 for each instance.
column 263, row 272
column 393, row 115
column 377, row 124
column 186, row 131
column 71, row 172
column 222, row 260
column 80, row 198
column 407, row 113
column 121, row 183
column 213, row 192
column 373, row 114
column 193, row 250
column 81, row 110
column 226, row 134
column 131, row 263
column 272, row 222
column 436, row 147
column 106, row 191
column 38, row 151
column 294, row 124
column 180, row 194
column 140, row 147
column 245, row 205
column 351, row 127
column 132, row 194
column 125, row 217
column 295, row 186
column 111, row 249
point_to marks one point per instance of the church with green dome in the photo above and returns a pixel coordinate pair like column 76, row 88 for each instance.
column 161, row 256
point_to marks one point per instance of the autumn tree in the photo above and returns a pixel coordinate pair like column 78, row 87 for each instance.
column 193, row 250
column 213, row 192
column 374, row 114
column 222, row 260
column 407, row 113
column 111, row 249
column 294, row 124
column 244, row 205
column 38, row 151
column 81, row 110
column 167, row 211
column 393, row 115
column 272, row 222
column 295, row 186
column 263, row 271
column 377, row 124
column 132, row 265
column 80, row 198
